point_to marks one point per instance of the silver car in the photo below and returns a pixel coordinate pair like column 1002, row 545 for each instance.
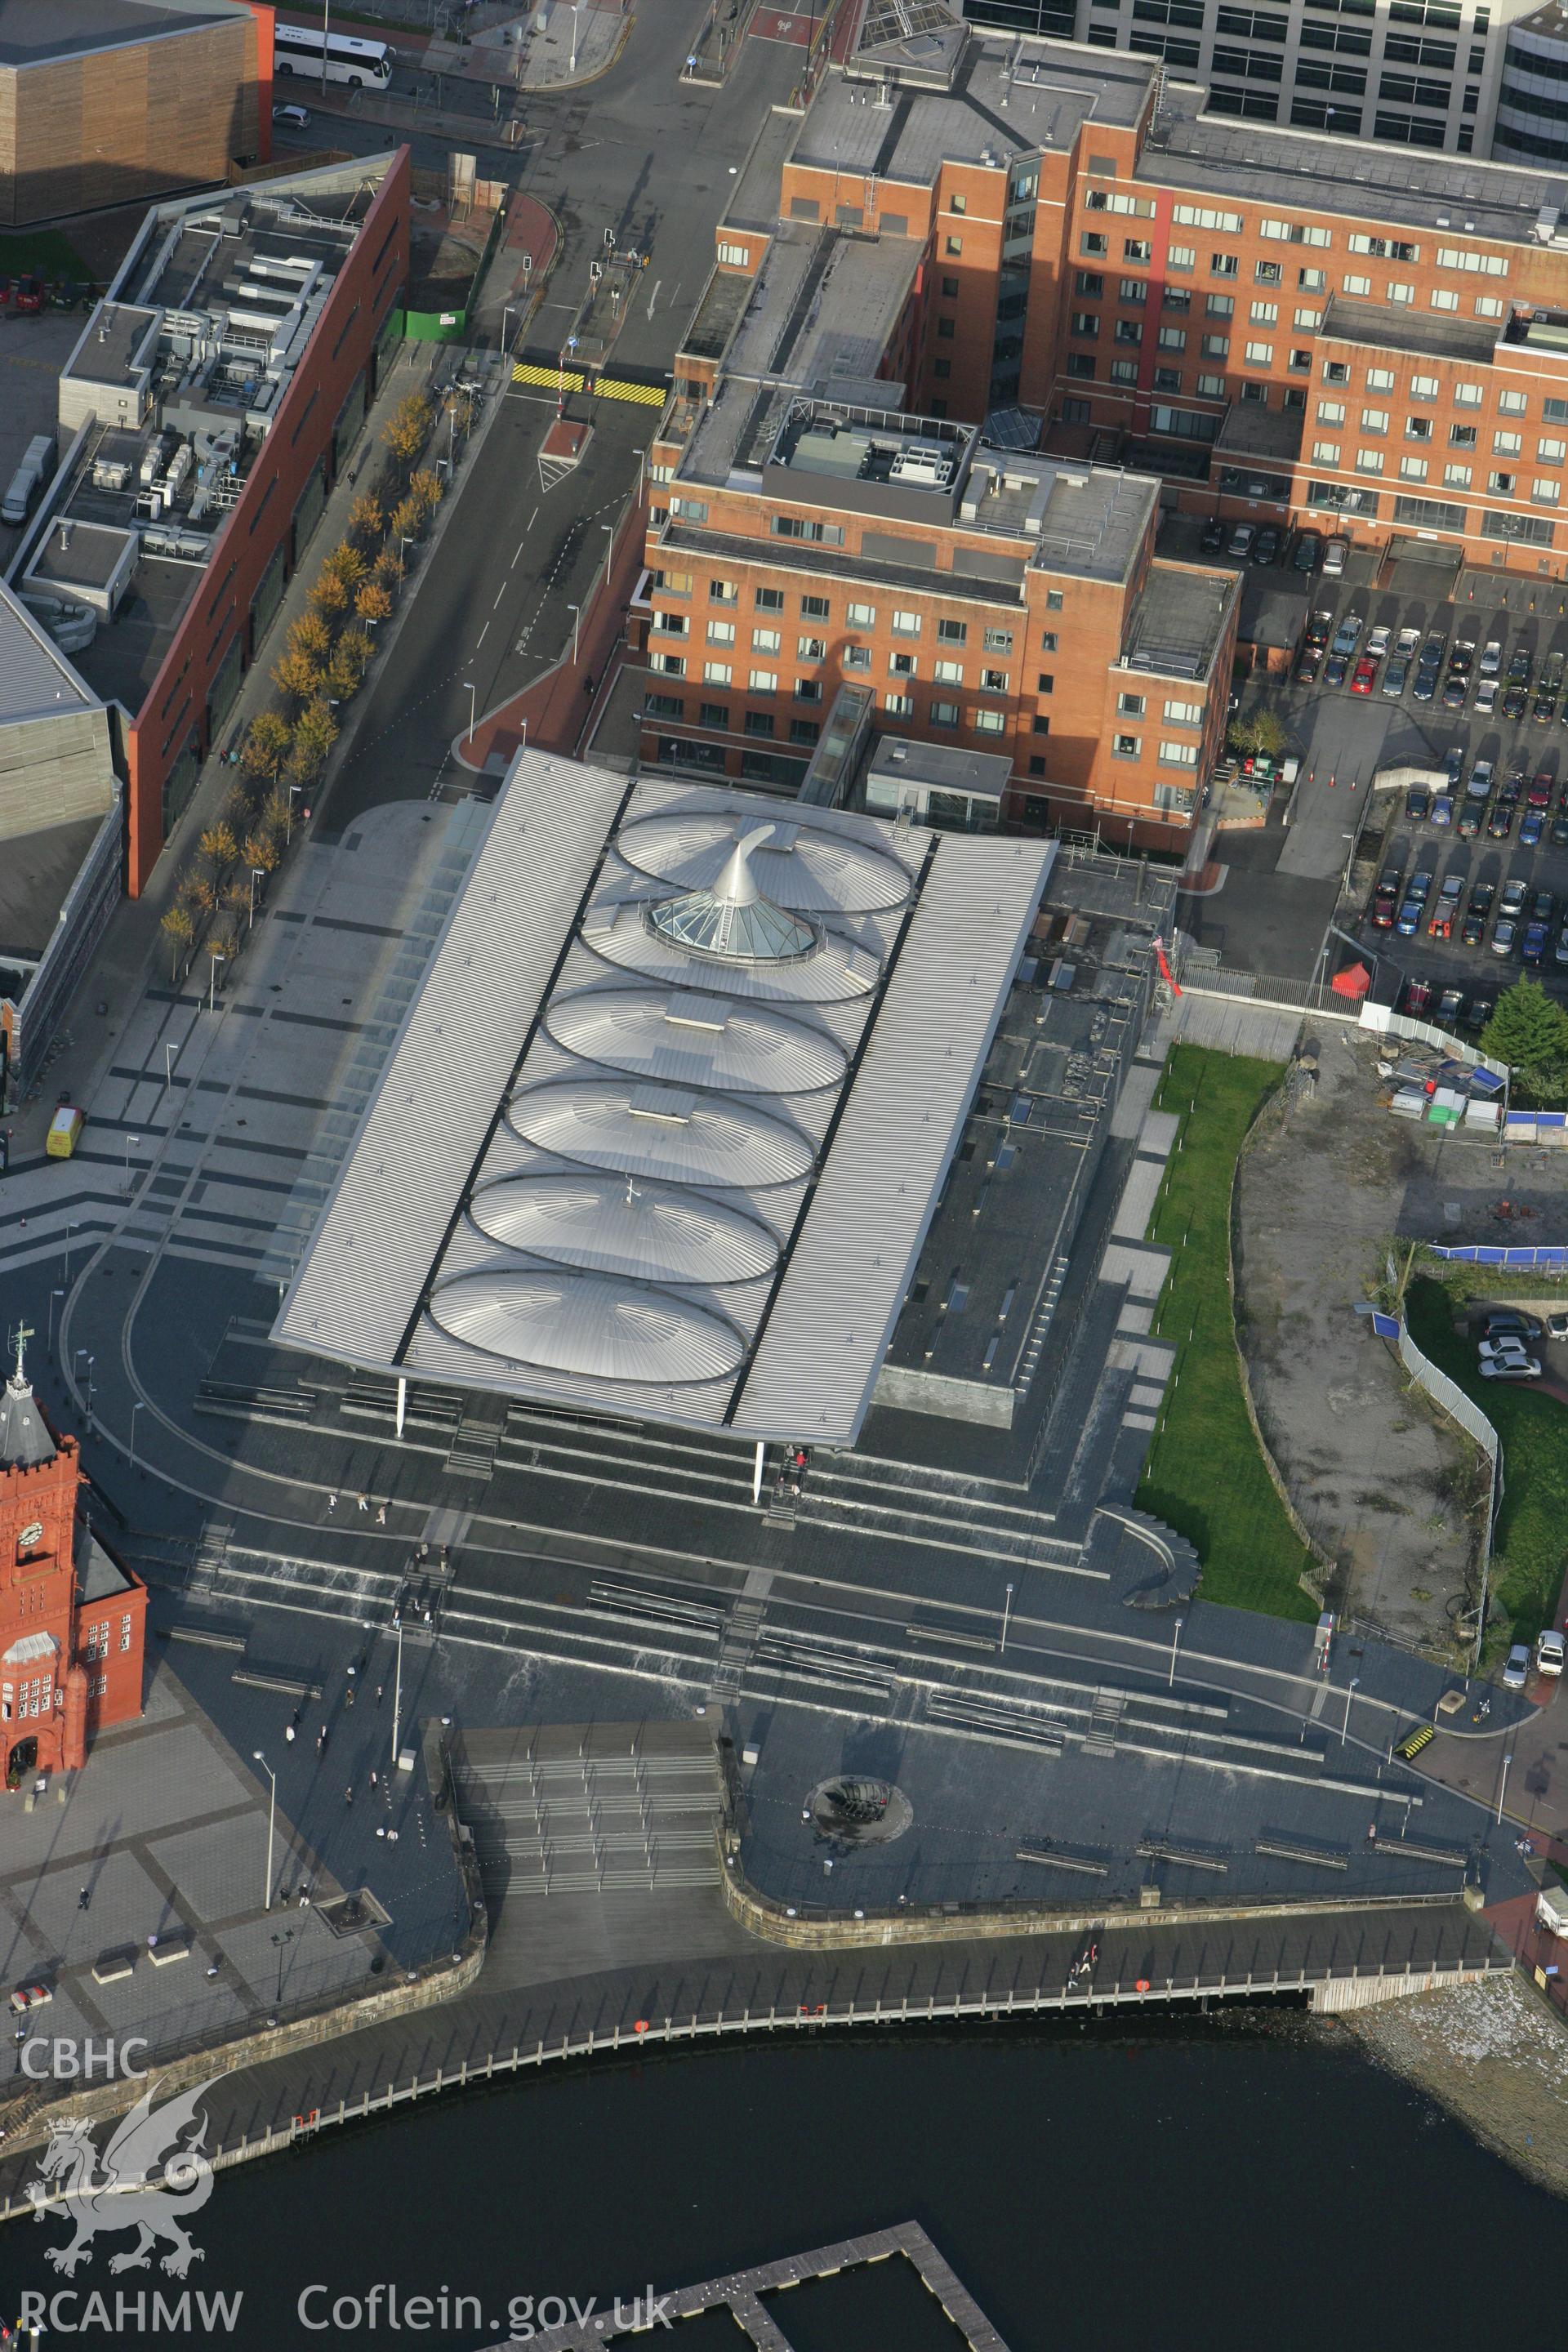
column 1516, row 1673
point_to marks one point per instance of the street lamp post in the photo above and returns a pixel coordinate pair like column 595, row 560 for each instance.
column 212, row 991
column 168, row 1064
column 1175, row 1637
column 610, row 550
column 1502, row 1789
column 1350, row 1688
column 129, row 1142
column 472, row 701
column 53, row 1296
column 576, row 613
column 134, row 1410
column 506, row 313
column 271, row 1819
column 257, row 874
column 1006, row 1614
column 397, row 1701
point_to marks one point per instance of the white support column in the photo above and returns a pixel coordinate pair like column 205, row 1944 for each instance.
column 757, row 1473
column 402, row 1403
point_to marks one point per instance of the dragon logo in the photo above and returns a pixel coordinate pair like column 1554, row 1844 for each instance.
column 151, row 2182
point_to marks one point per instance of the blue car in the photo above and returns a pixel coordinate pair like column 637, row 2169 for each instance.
column 1533, row 946
column 1532, row 829
column 1409, row 921
column 1443, row 810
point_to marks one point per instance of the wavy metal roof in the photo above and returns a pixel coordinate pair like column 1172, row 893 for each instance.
column 696, row 1193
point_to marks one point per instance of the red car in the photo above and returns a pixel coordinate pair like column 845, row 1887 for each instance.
column 1539, row 792
column 1440, row 922
column 1364, row 674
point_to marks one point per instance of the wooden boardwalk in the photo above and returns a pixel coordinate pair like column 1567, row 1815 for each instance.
column 741, row 2292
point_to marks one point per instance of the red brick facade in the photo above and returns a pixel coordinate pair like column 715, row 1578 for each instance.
column 71, row 1663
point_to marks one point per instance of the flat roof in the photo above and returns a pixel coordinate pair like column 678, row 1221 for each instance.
column 945, row 767
column 1216, row 155
column 36, row 870
column 112, row 338
column 1178, row 623
column 703, row 1117
column 1390, row 327
column 37, row 32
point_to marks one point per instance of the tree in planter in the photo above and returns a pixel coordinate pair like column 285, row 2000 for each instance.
column 238, row 804
column 178, row 925
column 237, row 895
column 372, row 603
column 310, row 636
column 315, row 732
column 277, row 814
column 266, row 747
column 425, row 491
column 299, row 677
column 407, row 429
column 259, row 850
column 346, row 564
column 329, row 597
column 1529, row 1030
column 407, row 516
column 387, row 571
column 367, row 520
column 223, row 946
column 1256, row 734
column 218, row 846
column 201, row 895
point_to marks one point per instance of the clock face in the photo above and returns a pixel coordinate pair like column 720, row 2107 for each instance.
column 32, row 1534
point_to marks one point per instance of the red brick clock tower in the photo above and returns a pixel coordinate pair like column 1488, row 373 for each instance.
column 72, row 1620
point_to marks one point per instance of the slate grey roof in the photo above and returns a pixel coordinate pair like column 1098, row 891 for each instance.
column 25, row 1440
column 645, row 1165
column 36, row 679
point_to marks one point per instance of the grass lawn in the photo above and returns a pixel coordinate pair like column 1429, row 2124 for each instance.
column 42, row 250
column 1532, row 1526
column 1205, row 1476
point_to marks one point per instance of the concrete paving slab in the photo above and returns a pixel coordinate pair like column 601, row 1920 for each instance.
column 1137, row 1093
column 1143, row 1270
column 1139, row 1194
column 1158, row 1133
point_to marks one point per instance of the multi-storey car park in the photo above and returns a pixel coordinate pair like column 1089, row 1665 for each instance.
column 965, row 316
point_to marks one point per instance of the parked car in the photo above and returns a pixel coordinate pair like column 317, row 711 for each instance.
column 1513, row 1322
column 1385, row 899
column 1548, row 1652
column 1454, row 762
column 1442, row 808
column 1478, row 1013
column 1425, row 685
column 1364, row 677
column 1308, row 663
column 1409, row 919
column 1241, row 539
column 1421, row 885
column 1512, row 789
column 1516, row 1667
column 1500, row 824
column 1377, row 644
column 1396, row 676
column 1508, row 1343
column 1308, row 552
column 1417, row 998
column 1560, row 953
column 1485, row 703
column 1542, row 906
column 1334, row 669
column 1539, row 794
column 1347, row 637
column 1450, row 1005
column 1505, row 935
column 1515, row 699
column 1319, row 628
column 1417, row 805
column 1482, row 896
column 1212, row 541
column 1266, row 546
column 1520, row 662
column 1544, row 707
column 1532, row 947
column 1513, row 1368
column 1560, row 833
column 1406, row 641
column 1470, row 815
column 296, row 118
column 1440, row 921
column 1483, row 776
column 1336, row 555
column 1490, row 662
column 1472, row 930
column 1531, row 828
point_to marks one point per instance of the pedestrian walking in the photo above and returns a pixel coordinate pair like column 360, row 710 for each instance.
column 349, row 1696
column 373, row 1779
column 349, row 1794
column 332, row 1502
column 288, row 1735
column 378, row 1691
column 381, row 1517
column 84, row 1898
